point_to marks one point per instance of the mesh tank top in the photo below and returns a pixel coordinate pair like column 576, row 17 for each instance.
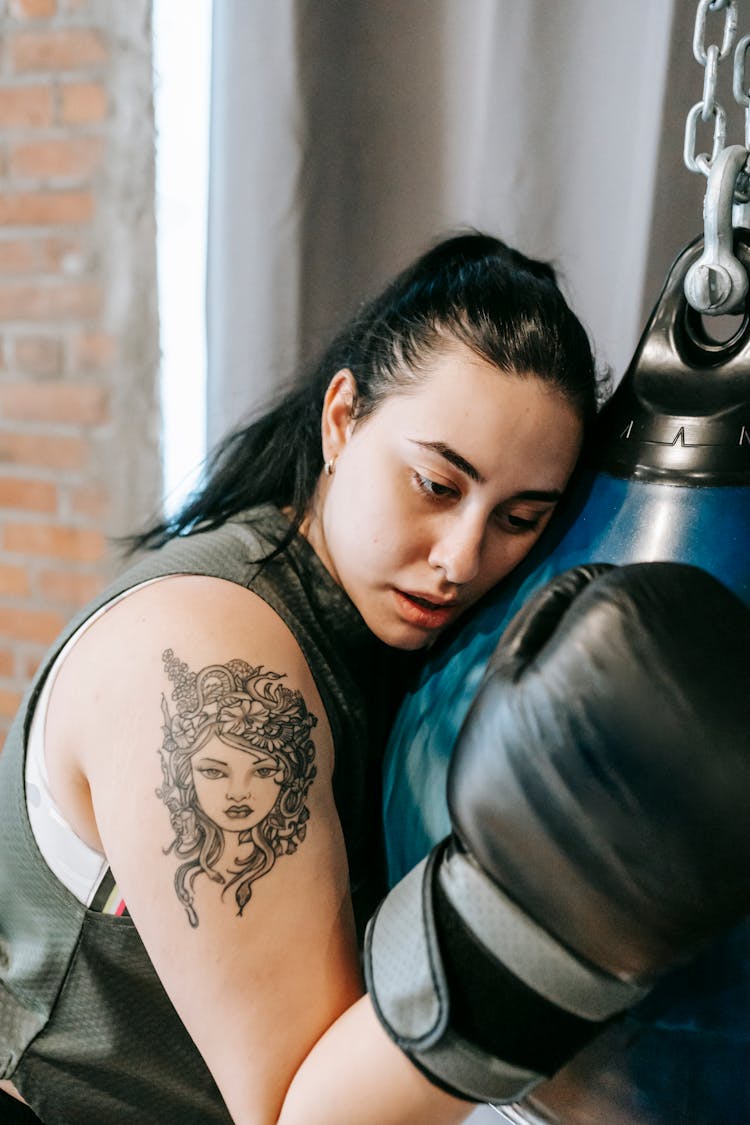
column 87, row 1032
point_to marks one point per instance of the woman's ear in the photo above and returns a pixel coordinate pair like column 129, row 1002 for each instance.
column 337, row 421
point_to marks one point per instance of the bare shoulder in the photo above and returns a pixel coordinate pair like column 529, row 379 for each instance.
column 207, row 754
column 201, row 622
column 198, row 610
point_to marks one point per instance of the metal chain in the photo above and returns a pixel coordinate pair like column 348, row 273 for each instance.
column 709, row 106
column 740, row 83
column 717, row 281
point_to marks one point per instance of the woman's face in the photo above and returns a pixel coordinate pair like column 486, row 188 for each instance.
column 440, row 492
column 235, row 788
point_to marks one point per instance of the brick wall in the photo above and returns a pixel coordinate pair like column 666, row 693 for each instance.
column 78, row 336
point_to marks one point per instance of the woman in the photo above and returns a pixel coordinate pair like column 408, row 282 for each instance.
column 410, row 473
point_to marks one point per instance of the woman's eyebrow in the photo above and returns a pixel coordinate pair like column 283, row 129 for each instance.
column 538, row 494
column 215, row 761
column 453, row 458
column 459, row 462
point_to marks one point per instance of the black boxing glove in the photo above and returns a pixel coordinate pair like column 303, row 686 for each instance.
column 599, row 795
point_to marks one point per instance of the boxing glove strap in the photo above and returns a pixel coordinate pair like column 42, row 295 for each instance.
column 464, row 1069
column 406, row 978
column 406, row 982
column 403, row 970
column 527, row 950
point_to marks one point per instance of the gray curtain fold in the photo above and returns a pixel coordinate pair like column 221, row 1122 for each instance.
column 347, row 135
column 256, row 158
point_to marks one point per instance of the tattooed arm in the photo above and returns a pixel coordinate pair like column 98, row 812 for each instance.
column 186, row 740
column 237, row 763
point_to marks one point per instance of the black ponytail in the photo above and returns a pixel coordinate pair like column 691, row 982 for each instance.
column 473, row 288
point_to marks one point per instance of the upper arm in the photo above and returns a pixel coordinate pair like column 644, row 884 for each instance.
column 208, row 755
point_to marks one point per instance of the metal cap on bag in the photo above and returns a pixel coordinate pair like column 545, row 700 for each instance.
column 681, row 414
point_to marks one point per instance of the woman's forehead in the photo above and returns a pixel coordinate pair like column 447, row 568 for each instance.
column 484, row 415
column 221, row 750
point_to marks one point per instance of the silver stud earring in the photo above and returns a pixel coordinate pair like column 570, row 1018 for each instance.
column 328, row 467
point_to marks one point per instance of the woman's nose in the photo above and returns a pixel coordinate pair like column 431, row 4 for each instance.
column 236, row 791
column 458, row 550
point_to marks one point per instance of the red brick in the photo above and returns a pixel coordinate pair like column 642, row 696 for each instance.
column 60, row 300
column 91, row 500
column 47, row 452
column 45, row 208
column 38, row 355
column 92, row 351
column 62, row 255
column 14, row 581
column 83, row 103
column 68, row 587
column 41, row 626
column 61, row 49
column 7, row 662
column 33, row 9
column 53, row 541
column 29, row 495
column 32, row 660
column 80, row 404
column 17, row 255
column 26, row 107
column 74, row 157
column 9, row 702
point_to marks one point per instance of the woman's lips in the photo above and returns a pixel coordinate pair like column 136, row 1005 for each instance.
column 237, row 811
column 420, row 611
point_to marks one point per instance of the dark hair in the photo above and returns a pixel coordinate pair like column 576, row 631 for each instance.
column 472, row 288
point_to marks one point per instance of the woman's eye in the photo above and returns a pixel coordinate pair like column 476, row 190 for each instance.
column 432, row 488
column 265, row 771
column 210, row 772
column 519, row 524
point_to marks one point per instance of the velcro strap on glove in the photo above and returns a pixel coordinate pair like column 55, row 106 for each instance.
column 406, row 978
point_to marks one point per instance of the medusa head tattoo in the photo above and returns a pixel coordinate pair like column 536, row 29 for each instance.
column 237, row 763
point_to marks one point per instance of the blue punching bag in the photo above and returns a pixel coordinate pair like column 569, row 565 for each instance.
column 666, row 476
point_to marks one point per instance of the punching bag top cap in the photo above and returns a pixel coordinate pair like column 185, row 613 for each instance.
column 681, row 414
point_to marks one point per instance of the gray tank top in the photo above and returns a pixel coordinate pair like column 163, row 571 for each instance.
column 87, row 1033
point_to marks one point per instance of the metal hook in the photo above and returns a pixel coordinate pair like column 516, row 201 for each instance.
column 717, row 283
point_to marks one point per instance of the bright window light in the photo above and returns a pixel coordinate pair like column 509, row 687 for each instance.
column 182, row 74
